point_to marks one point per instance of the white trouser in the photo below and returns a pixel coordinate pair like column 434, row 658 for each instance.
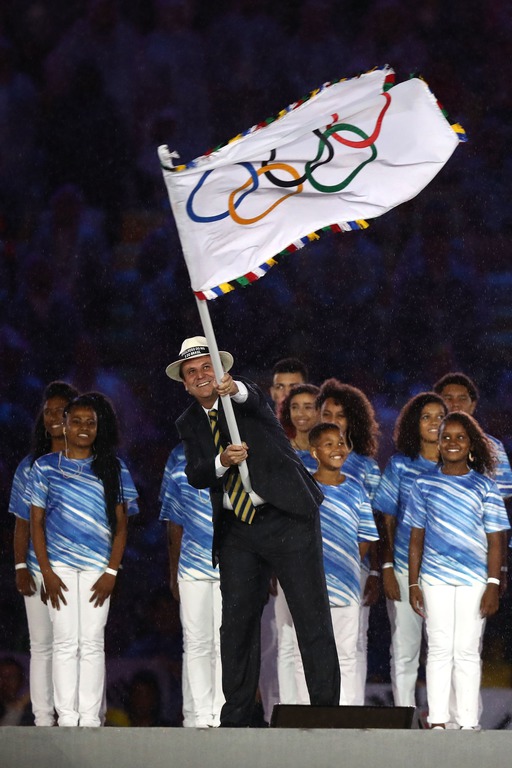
column 200, row 612
column 285, row 650
column 454, row 629
column 345, row 623
column 362, row 645
column 406, row 632
column 41, row 651
column 78, row 650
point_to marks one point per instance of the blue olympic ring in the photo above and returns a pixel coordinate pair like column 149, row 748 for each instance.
column 220, row 216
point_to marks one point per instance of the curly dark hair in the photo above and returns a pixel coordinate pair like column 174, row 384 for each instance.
column 362, row 427
column 41, row 440
column 483, row 455
column 105, row 464
column 284, row 409
column 406, row 434
column 457, row 378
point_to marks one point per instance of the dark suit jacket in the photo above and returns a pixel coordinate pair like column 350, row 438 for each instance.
column 277, row 474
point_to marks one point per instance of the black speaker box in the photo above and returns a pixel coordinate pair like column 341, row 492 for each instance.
column 307, row 716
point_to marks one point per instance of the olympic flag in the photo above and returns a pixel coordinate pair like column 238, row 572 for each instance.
column 351, row 151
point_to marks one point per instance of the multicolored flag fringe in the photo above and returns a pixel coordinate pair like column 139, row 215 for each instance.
column 351, row 151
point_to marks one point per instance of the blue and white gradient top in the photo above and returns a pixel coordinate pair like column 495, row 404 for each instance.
column 503, row 474
column 19, row 505
column 392, row 496
column 307, row 459
column 191, row 508
column 174, row 457
column 346, row 519
column 365, row 469
column 77, row 530
column 456, row 512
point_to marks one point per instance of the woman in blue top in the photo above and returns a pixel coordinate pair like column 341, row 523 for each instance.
column 78, row 523
column 416, row 437
column 352, row 412
column 298, row 414
column 456, row 516
column 48, row 437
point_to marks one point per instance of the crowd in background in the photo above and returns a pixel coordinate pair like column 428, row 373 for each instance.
column 93, row 287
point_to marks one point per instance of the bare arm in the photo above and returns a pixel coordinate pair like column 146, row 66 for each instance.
column 25, row 584
column 387, row 530
column 54, row 586
column 372, row 586
column 174, row 537
column 504, row 562
column 364, row 546
column 104, row 586
column 415, row 557
column 491, row 597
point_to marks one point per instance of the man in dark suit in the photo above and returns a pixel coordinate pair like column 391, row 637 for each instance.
column 283, row 536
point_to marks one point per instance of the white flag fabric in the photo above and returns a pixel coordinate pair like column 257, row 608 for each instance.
column 351, row 151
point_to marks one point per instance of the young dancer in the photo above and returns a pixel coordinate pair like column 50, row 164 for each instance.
column 298, row 414
column 348, row 528
column 460, row 393
column 456, row 515
column 48, row 437
column 351, row 411
column 78, row 524
column 416, row 439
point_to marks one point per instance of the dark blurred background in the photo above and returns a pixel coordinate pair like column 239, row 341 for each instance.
column 93, row 287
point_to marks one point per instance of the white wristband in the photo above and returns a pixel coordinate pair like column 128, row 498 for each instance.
column 111, row 571
column 373, row 573
column 20, row 566
column 387, row 565
column 491, row 580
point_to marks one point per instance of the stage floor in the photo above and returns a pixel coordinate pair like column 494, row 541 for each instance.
column 251, row 748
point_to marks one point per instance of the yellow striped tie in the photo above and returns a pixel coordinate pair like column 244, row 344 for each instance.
column 242, row 505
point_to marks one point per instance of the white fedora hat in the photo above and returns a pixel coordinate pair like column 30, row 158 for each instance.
column 196, row 346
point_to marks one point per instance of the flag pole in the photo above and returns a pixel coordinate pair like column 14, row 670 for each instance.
column 234, row 434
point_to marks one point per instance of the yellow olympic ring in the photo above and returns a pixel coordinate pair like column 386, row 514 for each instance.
column 271, row 167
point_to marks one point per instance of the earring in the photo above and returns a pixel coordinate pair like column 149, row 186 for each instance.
column 349, row 442
column 471, row 457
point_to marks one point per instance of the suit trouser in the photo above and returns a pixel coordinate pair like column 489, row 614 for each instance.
column 248, row 554
column 41, row 651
